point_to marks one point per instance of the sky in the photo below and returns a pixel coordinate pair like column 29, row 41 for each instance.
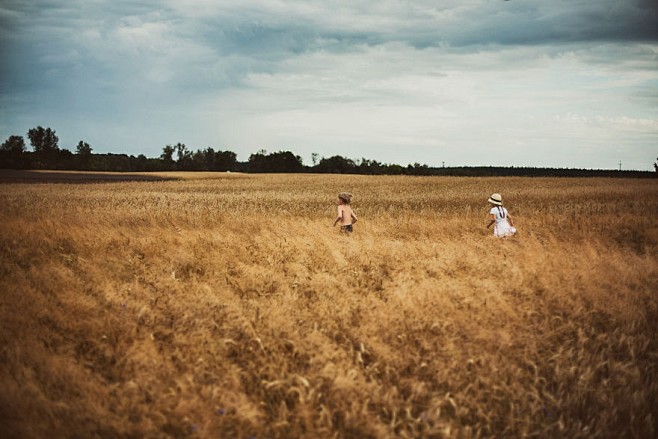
column 560, row 83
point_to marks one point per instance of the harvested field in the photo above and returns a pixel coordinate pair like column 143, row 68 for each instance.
column 21, row 176
column 225, row 305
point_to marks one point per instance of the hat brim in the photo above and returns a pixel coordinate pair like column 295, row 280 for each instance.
column 497, row 203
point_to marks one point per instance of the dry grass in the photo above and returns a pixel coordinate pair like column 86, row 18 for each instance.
column 228, row 307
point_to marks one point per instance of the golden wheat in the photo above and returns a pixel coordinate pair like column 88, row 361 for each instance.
column 225, row 305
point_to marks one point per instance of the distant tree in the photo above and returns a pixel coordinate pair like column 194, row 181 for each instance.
column 257, row 162
column 226, row 161
column 12, row 153
column 114, row 162
column 371, row 167
column 184, row 162
column 285, row 161
column 418, row 169
column 182, row 151
column 64, row 159
column 14, row 145
column 167, row 155
column 336, row 165
column 282, row 161
column 83, row 155
column 223, row 160
column 43, row 140
column 314, row 158
column 47, row 154
column 142, row 163
column 83, row 149
column 393, row 169
column 202, row 160
column 655, row 166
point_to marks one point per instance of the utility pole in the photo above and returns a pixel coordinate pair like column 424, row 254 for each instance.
column 620, row 165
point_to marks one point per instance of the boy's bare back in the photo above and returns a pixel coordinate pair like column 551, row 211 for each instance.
column 346, row 214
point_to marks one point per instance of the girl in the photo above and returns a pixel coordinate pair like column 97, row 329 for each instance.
column 504, row 226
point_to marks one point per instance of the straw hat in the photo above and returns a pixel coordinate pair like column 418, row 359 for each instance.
column 496, row 199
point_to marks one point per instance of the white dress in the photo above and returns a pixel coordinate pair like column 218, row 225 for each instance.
column 502, row 227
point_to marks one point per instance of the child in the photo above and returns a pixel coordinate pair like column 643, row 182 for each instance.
column 504, row 226
column 346, row 215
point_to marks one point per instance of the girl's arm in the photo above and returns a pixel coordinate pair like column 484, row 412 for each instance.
column 493, row 220
column 509, row 219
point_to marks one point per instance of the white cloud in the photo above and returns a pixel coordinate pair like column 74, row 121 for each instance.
column 578, row 122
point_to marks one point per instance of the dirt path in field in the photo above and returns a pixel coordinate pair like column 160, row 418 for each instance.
column 23, row 176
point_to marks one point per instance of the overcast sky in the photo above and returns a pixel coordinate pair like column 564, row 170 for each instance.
column 560, row 83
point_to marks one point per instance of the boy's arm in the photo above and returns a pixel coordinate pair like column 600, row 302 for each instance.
column 339, row 217
column 353, row 215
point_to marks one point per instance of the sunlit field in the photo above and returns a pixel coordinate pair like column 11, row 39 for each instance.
column 227, row 306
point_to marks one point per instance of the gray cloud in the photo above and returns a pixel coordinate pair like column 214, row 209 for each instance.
column 231, row 72
column 421, row 24
column 257, row 35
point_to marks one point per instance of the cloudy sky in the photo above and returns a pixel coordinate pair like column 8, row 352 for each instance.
column 560, row 83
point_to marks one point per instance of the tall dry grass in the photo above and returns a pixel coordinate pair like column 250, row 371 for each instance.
column 229, row 307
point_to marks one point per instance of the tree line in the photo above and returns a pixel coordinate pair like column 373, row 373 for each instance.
column 46, row 154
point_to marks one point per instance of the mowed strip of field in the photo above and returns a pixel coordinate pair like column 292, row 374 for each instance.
column 43, row 176
column 227, row 306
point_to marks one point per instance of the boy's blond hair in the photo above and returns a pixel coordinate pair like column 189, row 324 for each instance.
column 345, row 197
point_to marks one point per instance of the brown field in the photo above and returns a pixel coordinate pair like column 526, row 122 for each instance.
column 226, row 306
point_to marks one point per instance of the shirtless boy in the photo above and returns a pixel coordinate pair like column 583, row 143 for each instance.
column 346, row 215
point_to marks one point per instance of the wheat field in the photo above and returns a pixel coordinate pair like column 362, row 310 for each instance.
column 226, row 306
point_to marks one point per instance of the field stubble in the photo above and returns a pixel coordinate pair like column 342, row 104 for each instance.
column 229, row 307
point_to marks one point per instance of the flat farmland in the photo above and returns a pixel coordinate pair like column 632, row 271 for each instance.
column 227, row 306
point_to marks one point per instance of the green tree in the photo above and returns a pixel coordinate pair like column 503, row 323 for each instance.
column 184, row 161
column 282, row 161
column 258, row 162
column 167, row 155
column 225, row 161
column 83, row 149
column 14, row 145
column 336, row 165
column 182, row 151
column 369, row 166
column 141, row 163
column 12, row 153
column 202, row 160
column 83, row 155
column 43, row 140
